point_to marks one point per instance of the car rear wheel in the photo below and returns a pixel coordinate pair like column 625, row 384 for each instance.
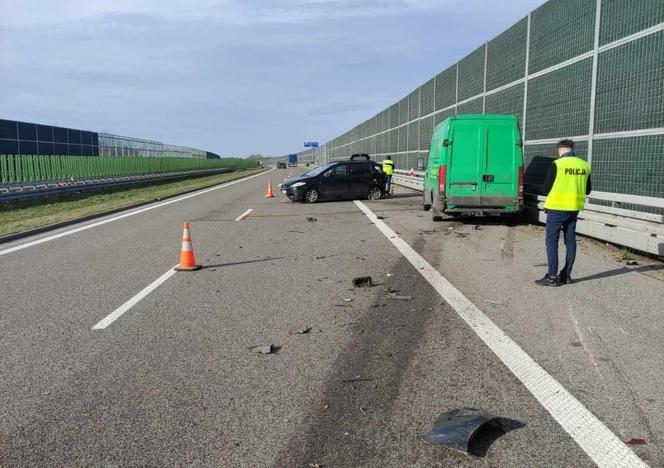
column 311, row 195
column 374, row 193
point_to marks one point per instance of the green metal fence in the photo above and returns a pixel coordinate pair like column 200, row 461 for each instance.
column 22, row 168
column 592, row 70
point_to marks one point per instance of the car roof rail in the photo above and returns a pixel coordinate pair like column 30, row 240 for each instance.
column 360, row 157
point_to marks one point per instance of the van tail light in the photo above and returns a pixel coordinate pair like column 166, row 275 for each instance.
column 442, row 180
column 520, row 182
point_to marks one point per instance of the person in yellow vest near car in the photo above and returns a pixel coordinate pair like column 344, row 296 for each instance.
column 388, row 169
column 566, row 185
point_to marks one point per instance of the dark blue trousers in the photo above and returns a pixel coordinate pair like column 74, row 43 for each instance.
column 557, row 221
column 388, row 183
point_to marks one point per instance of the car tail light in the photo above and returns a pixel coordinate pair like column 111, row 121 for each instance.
column 442, row 179
column 520, row 182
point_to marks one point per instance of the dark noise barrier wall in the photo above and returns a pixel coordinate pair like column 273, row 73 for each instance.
column 26, row 138
column 591, row 70
column 35, row 139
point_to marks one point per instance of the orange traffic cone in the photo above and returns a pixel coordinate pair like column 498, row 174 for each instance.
column 187, row 260
column 269, row 190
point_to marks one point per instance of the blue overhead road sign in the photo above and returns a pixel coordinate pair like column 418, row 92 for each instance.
column 311, row 144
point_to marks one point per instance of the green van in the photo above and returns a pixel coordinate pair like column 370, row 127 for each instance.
column 475, row 166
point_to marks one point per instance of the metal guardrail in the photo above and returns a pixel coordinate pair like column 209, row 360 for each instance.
column 16, row 192
column 629, row 228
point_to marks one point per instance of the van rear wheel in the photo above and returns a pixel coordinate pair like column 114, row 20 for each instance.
column 425, row 206
column 436, row 214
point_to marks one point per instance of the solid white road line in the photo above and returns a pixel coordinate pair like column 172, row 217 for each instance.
column 244, row 215
column 125, row 215
column 601, row 445
column 117, row 313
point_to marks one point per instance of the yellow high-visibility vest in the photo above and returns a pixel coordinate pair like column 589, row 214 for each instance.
column 388, row 166
column 569, row 189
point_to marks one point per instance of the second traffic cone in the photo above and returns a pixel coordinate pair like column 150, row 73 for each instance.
column 187, row 260
column 269, row 190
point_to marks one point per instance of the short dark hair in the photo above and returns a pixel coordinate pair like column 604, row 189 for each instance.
column 566, row 143
column 389, row 157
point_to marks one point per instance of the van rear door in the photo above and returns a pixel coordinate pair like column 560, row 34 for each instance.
column 500, row 169
column 465, row 163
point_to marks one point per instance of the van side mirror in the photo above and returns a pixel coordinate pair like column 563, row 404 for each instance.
column 446, row 142
column 519, row 143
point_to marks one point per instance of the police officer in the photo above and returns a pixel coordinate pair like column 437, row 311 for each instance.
column 566, row 185
column 388, row 169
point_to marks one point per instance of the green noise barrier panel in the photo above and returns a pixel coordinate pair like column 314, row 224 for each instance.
column 506, row 56
column 16, row 169
column 471, row 74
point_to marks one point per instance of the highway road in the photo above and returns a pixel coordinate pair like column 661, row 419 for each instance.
column 169, row 379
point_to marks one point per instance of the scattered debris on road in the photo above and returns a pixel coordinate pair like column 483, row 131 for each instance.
column 297, row 232
column 461, row 234
column 303, row 331
column 265, row 349
column 398, row 297
column 632, row 263
column 634, row 441
column 311, row 219
column 380, row 217
column 389, row 275
column 357, row 379
column 477, row 227
column 347, row 299
column 362, row 282
column 494, row 303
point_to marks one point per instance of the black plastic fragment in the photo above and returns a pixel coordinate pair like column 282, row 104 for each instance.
column 362, row 281
column 357, row 379
column 469, row 431
column 311, row 219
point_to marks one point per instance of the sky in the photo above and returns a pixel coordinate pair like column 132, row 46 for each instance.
column 235, row 77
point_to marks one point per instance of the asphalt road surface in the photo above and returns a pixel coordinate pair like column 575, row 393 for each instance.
column 170, row 380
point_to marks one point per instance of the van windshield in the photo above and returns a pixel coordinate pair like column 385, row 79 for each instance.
column 318, row 170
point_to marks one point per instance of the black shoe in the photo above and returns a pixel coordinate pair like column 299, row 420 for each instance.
column 564, row 278
column 547, row 281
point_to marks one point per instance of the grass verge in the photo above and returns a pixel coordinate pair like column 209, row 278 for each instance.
column 30, row 215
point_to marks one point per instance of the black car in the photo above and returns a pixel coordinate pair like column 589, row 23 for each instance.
column 281, row 165
column 337, row 180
